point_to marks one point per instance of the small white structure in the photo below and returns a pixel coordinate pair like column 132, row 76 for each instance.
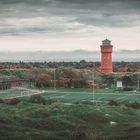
column 119, row 84
column 113, row 123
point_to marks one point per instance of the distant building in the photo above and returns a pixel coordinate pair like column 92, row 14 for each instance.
column 122, row 69
column 106, row 56
column 138, row 70
column 7, row 82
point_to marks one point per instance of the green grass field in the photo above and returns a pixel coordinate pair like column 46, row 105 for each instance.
column 11, row 93
column 80, row 96
column 72, row 95
column 71, row 117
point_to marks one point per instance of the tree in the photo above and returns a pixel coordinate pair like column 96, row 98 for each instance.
column 127, row 83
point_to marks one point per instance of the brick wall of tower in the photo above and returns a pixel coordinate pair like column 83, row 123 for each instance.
column 106, row 58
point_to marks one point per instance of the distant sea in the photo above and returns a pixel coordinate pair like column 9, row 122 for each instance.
column 77, row 55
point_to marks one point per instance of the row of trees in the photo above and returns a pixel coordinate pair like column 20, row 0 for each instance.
column 77, row 78
column 132, row 66
column 61, row 77
column 130, row 81
column 69, row 77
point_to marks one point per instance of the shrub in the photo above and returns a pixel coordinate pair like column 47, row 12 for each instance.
column 113, row 103
column 37, row 99
column 46, row 114
column 134, row 105
column 12, row 101
column 127, row 89
column 1, row 101
column 51, row 101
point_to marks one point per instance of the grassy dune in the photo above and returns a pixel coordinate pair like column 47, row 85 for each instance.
column 70, row 116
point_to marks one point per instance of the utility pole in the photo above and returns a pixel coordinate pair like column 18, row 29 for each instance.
column 138, row 83
column 55, row 79
column 93, row 88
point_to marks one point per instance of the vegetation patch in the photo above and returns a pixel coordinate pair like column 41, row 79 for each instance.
column 134, row 105
column 113, row 103
column 72, row 117
column 1, row 101
column 37, row 99
column 12, row 101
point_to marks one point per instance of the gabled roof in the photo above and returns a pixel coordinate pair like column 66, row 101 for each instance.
column 9, row 79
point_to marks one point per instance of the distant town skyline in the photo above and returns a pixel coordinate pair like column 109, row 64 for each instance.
column 66, row 25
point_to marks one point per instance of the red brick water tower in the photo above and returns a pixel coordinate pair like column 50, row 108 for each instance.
column 106, row 56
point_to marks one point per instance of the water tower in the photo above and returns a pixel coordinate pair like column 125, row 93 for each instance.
column 106, row 56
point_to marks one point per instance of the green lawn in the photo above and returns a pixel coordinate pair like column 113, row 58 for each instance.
column 10, row 93
column 73, row 94
column 80, row 95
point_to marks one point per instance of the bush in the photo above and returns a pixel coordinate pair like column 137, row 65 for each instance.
column 13, row 101
column 37, row 99
column 1, row 101
column 134, row 105
column 51, row 101
column 113, row 103
column 127, row 89
column 46, row 114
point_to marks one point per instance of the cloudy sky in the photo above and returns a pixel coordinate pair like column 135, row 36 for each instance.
column 52, row 25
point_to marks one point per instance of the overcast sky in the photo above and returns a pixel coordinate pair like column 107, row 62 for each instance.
column 31, row 25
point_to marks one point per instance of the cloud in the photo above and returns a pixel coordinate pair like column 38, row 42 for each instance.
column 25, row 1
column 21, row 17
column 42, row 25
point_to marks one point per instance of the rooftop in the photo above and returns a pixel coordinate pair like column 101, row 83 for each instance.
column 106, row 42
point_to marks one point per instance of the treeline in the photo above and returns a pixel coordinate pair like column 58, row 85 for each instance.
column 75, row 78
column 130, row 81
column 22, row 74
column 60, row 77
column 132, row 66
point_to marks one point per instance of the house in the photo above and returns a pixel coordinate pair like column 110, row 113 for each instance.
column 138, row 70
column 122, row 69
column 7, row 82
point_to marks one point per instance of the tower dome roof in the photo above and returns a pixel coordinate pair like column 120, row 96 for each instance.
column 106, row 42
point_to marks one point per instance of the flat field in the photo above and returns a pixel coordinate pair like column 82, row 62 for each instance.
column 70, row 94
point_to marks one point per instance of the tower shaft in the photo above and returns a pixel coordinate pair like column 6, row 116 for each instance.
column 106, row 56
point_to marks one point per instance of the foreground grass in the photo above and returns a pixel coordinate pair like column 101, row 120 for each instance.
column 64, row 121
column 71, row 117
